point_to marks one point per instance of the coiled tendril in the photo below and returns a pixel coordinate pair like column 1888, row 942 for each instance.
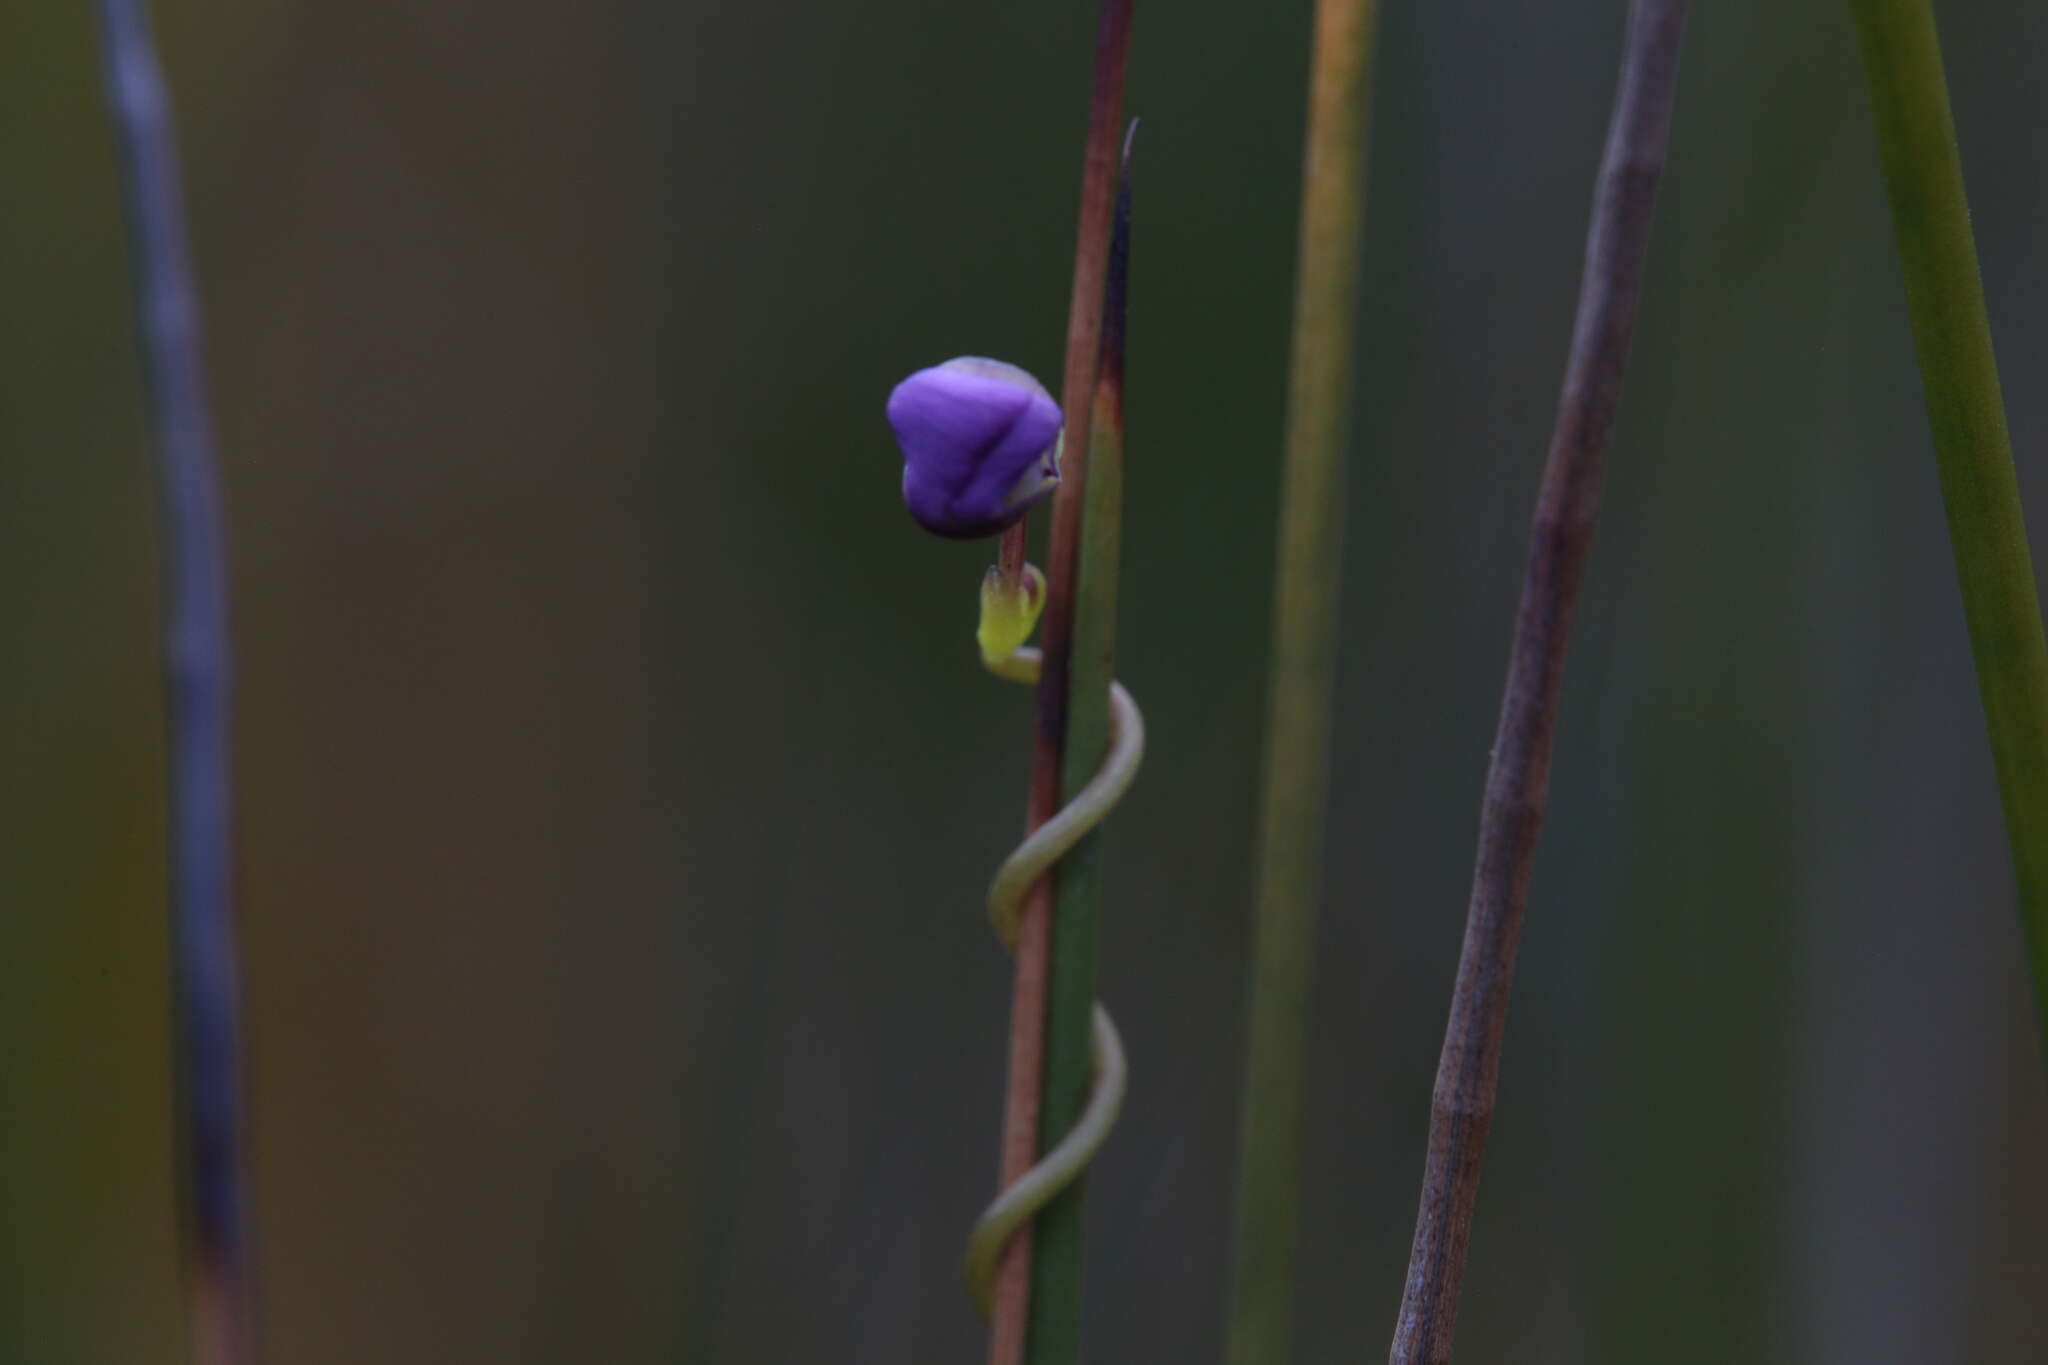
column 1045, row 846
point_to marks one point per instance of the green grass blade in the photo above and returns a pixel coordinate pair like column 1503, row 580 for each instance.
column 1309, row 566
column 1931, row 219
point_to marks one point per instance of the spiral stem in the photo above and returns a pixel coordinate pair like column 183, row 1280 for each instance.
column 1046, row 845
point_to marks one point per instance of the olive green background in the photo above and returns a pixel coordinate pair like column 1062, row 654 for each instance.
column 619, row 784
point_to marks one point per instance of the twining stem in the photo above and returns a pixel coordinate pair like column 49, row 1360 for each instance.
column 1916, row 137
column 1308, row 571
column 199, row 687
column 1040, row 1090
column 1517, row 781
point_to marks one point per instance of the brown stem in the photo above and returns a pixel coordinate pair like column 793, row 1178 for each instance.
column 1034, row 941
column 1512, row 811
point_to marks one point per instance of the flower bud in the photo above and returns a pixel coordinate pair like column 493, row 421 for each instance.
column 980, row 445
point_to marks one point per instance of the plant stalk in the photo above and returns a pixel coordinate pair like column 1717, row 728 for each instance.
column 198, row 676
column 1011, row 551
column 1923, row 170
column 1049, row 1029
column 1307, row 577
column 1055, row 1333
column 1517, row 781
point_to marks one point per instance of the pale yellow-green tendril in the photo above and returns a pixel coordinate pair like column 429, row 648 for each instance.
column 1006, row 622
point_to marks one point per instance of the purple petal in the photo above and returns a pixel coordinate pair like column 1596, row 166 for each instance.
column 978, row 438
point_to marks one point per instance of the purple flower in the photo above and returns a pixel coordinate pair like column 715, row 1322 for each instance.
column 980, row 445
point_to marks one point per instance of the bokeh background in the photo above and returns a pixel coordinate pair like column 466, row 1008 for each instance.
column 620, row 784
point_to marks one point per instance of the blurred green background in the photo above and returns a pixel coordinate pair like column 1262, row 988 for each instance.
column 620, row 784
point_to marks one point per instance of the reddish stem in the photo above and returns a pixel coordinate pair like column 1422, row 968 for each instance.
column 1010, row 556
column 1034, row 941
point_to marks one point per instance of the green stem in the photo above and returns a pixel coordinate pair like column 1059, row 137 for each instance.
column 1307, row 576
column 1931, row 218
column 1054, row 1337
